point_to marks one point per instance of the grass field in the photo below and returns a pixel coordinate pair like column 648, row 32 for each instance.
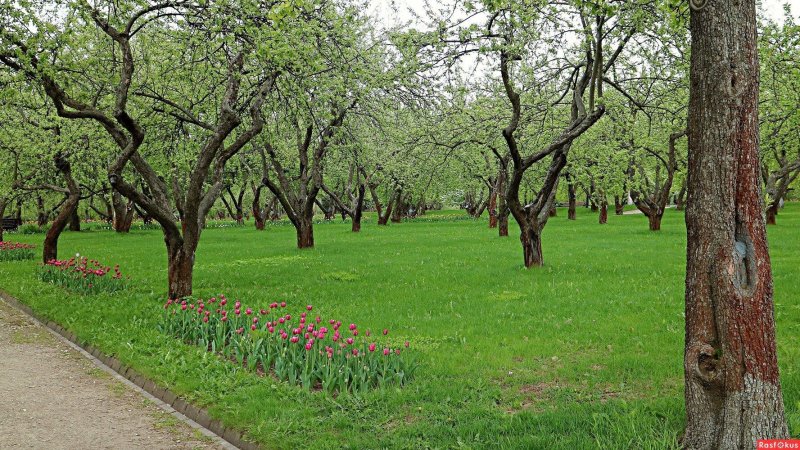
column 585, row 352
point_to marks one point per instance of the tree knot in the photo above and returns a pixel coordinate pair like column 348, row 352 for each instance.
column 703, row 358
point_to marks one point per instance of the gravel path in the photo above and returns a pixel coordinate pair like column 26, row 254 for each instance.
column 51, row 397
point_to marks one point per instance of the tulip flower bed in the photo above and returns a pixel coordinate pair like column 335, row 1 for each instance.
column 15, row 251
column 83, row 275
column 313, row 353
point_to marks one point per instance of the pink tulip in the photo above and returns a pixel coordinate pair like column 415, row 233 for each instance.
column 350, row 341
column 308, row 346
column 253, row 327
column 309, row 307
column 295, row 339
column 372, row 347
column 248, row 311
column 352, row 326
column 386, row 352
column 385, row 331
column 283, row 304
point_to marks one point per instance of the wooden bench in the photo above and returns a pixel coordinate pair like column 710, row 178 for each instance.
column 10, row 224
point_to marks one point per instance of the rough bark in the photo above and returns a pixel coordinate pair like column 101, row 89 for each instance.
column 180, row 265
column 732, row 388
column 305, row 233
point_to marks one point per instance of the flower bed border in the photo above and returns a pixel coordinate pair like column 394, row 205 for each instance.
column 196, row 414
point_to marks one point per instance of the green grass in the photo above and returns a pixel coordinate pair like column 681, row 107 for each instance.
column 585, row 352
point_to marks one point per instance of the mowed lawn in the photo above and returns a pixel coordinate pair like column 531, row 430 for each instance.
column 584, row 352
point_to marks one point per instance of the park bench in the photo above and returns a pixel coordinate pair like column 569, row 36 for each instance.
column 10, row 224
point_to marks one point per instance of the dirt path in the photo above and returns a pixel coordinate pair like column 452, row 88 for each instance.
column 51, row 397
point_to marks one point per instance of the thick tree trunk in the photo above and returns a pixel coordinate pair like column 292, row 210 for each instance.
column 572, row 201
column 68, row 209
column 123, row 213
column 50, row 245
column 654, row 220
column 619, row 205
column 502, row 224
column 305, row 232
column 75, row 221
column 733, row 394
column 531, row 247
column 180, row 268
column 603, row 216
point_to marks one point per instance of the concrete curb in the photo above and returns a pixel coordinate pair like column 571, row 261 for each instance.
column 197, row 418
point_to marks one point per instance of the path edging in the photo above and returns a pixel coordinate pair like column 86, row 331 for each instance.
column 194, row 416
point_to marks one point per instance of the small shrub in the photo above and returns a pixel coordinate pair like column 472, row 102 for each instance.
column 83, row 275
column 15, row 251
column 30, row 228
column 305, row 352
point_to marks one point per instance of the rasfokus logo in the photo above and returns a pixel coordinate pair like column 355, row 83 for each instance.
column 778, row 444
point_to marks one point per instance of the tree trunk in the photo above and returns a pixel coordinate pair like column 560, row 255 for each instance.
column 572, row 201
column 531, row 246
column 619, row 205
column 41, row 212
column 603, row 217
column 123, row 213
column 733, row 394
column 655, row 220
column 358, row 210
column 305, row 232
column 50, row 245
column 68, row 209
column 384, row 219
column 502, row 223
column 681, row 198
column 180, row 263
column 772, row 212
column 75, row 221
column 493, row 205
